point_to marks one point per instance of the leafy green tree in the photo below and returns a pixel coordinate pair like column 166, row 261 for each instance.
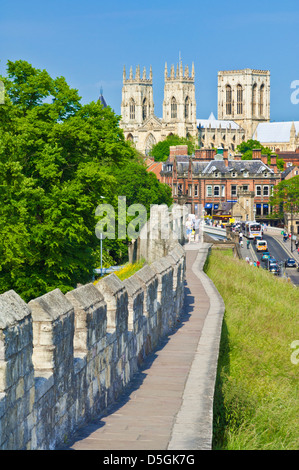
column 57, row 158
column 160, row 151
column 245, row 148
column 286, row 196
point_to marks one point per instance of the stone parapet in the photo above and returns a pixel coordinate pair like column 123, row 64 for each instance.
column 65, row 358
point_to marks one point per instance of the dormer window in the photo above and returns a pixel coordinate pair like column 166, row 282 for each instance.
column 234, row 174
column 216, row 174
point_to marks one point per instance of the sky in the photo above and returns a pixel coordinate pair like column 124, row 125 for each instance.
column 89, row 42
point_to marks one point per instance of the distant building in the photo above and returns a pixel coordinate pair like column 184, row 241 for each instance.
column 214, row 182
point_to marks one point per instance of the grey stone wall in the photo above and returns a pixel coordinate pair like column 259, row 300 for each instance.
column 65, row 358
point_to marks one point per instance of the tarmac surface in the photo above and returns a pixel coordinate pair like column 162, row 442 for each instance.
column 169, row 402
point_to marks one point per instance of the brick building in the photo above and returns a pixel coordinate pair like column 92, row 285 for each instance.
column 217, row 183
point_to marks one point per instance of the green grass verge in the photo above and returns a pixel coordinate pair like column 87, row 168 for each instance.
column 256, row 395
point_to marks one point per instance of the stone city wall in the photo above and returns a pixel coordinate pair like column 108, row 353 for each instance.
column 66, row 358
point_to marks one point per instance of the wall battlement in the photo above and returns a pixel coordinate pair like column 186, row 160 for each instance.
column 66, row 358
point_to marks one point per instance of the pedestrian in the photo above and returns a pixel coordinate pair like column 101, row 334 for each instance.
column 247, row 259
column 241, row 243
column 258, row 264
column 254, row 263
column 248, row 244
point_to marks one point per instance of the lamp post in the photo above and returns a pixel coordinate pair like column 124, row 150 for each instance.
column 101, row 237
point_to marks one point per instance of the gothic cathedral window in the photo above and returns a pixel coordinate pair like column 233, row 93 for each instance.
column 254, row 96
column 239, row 99
column 144, row 109
column 173, row 108
column 187, row 107
column 132, row 109
column 228, row 99
column 262, row 100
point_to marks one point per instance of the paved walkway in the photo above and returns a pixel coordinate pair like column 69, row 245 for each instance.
column 169, row 405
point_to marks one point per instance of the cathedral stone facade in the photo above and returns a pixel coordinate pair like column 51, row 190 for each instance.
column 139, row 122
column 243, row 111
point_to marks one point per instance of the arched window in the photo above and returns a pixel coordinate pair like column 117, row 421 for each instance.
column 239, row 99
column 173, row 108
column 144, row 109
column 187, row 107
column 254, row 97
column 132, row 109
column 149, row 143
column 262, row 99
column 228, row 99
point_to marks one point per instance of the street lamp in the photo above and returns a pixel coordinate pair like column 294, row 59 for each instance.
column 101, row 237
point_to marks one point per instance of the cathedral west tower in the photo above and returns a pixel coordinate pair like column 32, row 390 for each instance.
column 244, row 97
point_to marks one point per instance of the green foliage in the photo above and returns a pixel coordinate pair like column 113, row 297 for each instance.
column 286, row 195
column 245, row 148
column 256, row 393
column 160, row 151
column 57, row 157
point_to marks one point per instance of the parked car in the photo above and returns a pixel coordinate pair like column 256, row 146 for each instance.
column 273, row 268
column 266, row 255
column 290, row 263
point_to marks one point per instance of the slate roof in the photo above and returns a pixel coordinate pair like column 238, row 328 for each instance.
column 205, row 168
column 216, row 123
column 275, row 131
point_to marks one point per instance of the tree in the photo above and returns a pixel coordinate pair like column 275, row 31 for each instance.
column 245, row 148
column 286, row 196
column 160, row 151
column 57, row 158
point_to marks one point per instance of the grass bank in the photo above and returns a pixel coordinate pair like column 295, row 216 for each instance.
column 256, row 396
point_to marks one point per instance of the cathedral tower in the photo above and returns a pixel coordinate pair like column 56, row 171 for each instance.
column 244, row 97
column 137, row 97
column 179, row 105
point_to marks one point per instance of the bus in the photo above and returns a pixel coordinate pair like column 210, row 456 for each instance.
column 253, row 229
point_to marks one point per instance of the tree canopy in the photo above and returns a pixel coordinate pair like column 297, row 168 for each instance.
column 245, row 148
column 286, row 195
column 160, row 151
column 58, row 159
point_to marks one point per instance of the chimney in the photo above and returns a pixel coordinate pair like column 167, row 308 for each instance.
column 256, row 154
column 225, row 157
column 264, row 159
column 273, row 160
column 182, row 150
column 172, row 153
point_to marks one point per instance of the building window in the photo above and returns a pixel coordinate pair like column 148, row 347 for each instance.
column 233, row 174
column 266, row 191
column 233, row 190
column 174, row 189
column 216, row 191
column 190, row 191
column 196, row 190
column 254, row 96
column 228, row 99
column 262, row 100
column 187, row 107
column 209, row 191
column 239, row 99
column 180, row 189
column 144, row 109
column 245, row 187
column 223, row 191
column 173, row 108
column 132, row 109
column 258, row 190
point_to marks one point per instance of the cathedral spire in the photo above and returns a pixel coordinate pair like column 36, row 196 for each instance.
column 165, row 71
column 124, row 74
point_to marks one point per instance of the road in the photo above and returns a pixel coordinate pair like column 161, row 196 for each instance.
column 277, row 251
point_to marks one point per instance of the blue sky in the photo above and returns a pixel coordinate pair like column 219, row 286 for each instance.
column 88, row 42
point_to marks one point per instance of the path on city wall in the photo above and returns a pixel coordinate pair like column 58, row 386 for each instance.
column 169, row 403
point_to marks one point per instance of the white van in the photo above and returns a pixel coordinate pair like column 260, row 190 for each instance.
column 261, row 245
